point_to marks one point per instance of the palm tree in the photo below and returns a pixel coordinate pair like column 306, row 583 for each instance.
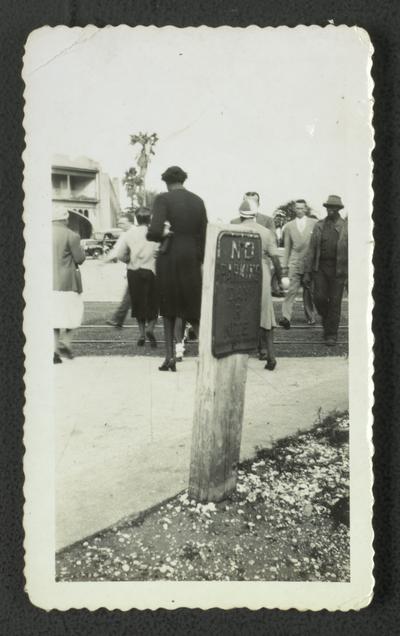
column 132, row 183
column 146, row 143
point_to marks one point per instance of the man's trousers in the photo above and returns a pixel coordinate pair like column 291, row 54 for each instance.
column 328, row 292
column 296, row 280
column 123, row 308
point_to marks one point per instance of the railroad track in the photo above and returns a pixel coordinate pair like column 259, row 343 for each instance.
column 95, row 337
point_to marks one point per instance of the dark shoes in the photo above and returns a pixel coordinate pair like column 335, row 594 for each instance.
column 271, row 362
column 168, row 365
column 330, row 341
column 66, row 352
column 285, row 323
column 56, row 359
column 113, row 323
column 151, row 337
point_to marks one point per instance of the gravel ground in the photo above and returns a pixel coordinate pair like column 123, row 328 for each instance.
column 287, row 521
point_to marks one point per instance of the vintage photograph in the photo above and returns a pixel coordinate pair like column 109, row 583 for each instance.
column 198, row 358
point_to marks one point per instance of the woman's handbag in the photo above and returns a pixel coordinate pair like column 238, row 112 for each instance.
column 78, row 281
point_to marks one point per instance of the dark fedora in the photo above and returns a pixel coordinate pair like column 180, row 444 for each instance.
column 174, row 174
column 334, row 202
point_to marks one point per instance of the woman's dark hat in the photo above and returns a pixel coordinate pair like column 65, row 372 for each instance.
column 333, row 201
column 174, row 174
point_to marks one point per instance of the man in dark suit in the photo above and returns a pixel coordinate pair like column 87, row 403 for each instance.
column 326, row 265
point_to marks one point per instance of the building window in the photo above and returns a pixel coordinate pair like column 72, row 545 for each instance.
column 59, row 183
column 83, row 187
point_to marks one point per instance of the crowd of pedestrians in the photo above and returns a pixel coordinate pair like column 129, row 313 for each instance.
column 164, row 253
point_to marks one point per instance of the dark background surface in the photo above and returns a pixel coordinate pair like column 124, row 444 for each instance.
column 17, row 19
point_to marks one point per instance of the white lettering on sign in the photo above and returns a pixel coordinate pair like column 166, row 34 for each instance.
column 242, row 249
column 235, row 252
column 242, row 270
column 249, row 249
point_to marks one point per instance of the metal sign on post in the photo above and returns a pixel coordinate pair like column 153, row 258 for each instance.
column 237, row 293
column 229, row 329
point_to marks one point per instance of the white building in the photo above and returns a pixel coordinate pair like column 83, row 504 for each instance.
column 88, row 193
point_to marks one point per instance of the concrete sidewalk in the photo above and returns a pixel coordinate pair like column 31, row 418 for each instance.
column 123, row 429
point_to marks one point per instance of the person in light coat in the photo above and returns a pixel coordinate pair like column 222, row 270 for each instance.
column 67, row 285
column 248, row 213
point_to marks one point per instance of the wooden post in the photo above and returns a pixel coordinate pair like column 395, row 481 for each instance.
column 221, row 381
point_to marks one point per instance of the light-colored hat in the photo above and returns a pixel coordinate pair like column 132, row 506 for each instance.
column 59, row 213
column 247, row 209
column 333, row 201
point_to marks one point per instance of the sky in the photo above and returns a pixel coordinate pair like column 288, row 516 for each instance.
column 284, row 112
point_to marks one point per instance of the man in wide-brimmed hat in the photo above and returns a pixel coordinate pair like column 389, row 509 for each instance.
column 326, row 264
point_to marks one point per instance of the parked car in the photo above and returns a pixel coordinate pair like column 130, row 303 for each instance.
column 107, row 238
column 92, row 247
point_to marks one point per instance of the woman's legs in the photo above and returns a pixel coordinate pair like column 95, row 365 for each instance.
column 180, row 324
column 65, row 342
column 150, row 326
column 195, row 324
column 269, row 340
column 66, row 339
column 56, row 355
column 149, row 304
column 179, row 329
column 169, row 327
column 150, row 332
column 56, row 333
column 142, row 336
column 262, row 344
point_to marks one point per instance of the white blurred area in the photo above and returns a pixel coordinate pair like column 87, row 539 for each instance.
column 103, row 282
column 283, row 112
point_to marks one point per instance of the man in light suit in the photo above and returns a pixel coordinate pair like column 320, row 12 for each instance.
column 296, row 238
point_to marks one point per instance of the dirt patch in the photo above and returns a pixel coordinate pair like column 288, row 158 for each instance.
column 287, row 521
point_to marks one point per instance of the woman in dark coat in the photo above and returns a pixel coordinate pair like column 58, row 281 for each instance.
column 179, row 222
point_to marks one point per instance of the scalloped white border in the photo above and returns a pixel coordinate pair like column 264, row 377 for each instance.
column 39, row 461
